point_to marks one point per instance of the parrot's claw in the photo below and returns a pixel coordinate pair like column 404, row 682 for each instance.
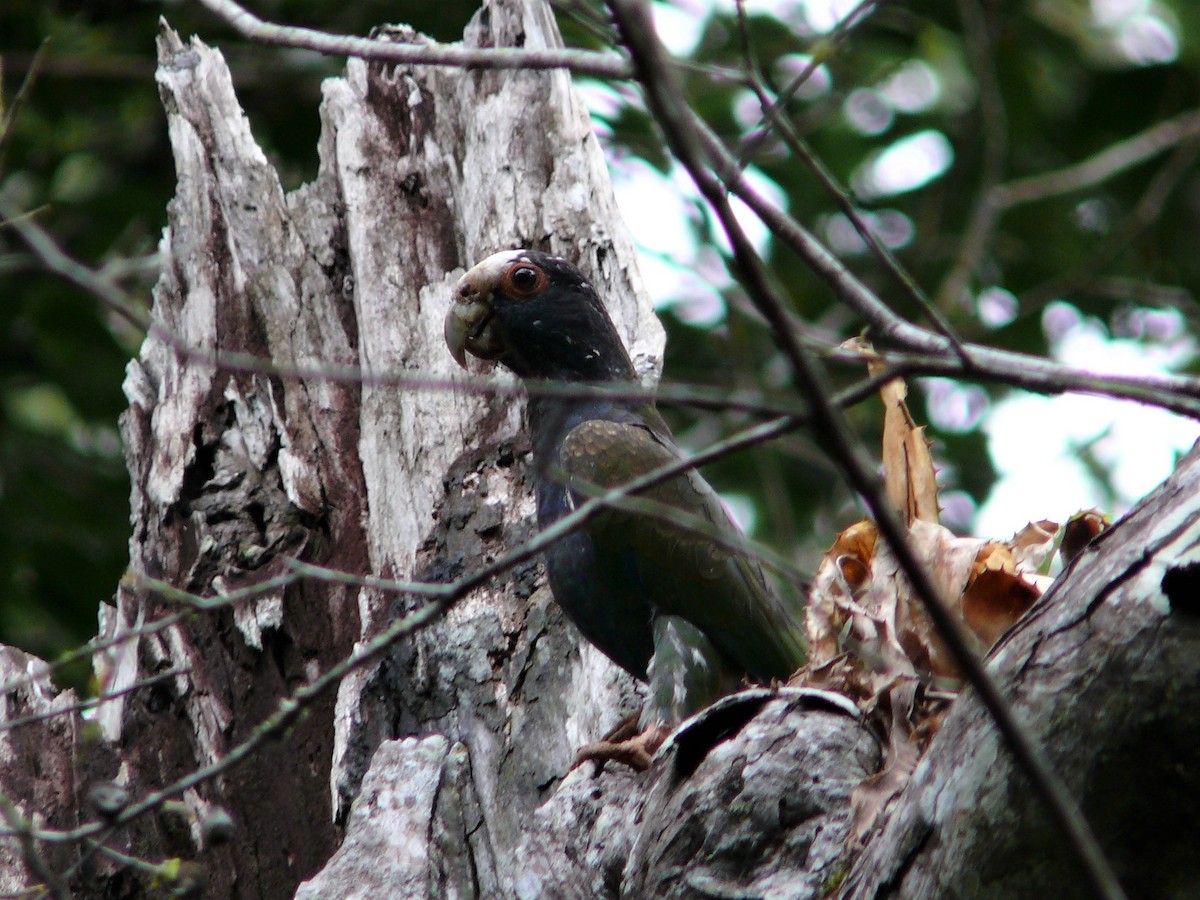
column 636, row 751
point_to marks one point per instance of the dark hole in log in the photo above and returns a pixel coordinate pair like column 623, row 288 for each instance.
column 1182, row 587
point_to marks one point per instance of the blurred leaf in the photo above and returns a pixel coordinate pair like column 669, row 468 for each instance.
column 43, row 409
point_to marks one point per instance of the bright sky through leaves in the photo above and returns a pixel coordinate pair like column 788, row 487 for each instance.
column 1045, row 448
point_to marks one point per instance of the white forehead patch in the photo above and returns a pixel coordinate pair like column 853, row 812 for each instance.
column 486, row 272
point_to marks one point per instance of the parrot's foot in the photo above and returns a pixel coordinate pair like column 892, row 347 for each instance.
column 624, row 745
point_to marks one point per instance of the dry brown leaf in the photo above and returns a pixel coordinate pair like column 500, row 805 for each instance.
column 1033, row 544
column 908, row 474
column 843, row 574
column 997, row 594
column 862, row 608
column 872, row 639
column 853, row 551
column 1079, row 531
column 854, row 571
column 868, row 611
column 948, row 559
column 861, row 605
column 842, row 674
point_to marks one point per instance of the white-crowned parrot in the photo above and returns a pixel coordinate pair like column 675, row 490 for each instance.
column 672, row 606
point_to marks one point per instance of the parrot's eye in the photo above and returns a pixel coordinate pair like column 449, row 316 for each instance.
column 524, row 280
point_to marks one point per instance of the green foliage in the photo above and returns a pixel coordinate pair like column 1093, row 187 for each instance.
column 1065, row 90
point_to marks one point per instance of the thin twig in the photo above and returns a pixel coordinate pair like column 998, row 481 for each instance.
column 742, row 440
column 985, row 213
column 1082, row 382
column 9, row 116
column 193, row 602
column 677, row 121
column 585, row 17
column 1089, row 173
column 441, row 598
column 625, row 498
column 1145, row 213
column 926, row 348
column 581, row 62
column 22, row 829
column 841, row 196
column 83, row 705
column 100, row 286
column 1180, row 394
column 829, row 45
column 1102, row 166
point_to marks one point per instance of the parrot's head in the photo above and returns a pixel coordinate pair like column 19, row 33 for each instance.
column 538, row 316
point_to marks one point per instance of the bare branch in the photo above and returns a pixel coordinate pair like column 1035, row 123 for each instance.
column 935, row 355
column 582, row 62
column 1145, row 214
column 88, row 649
column 678, row 122
column 995, row 199
column 831, row 43
column 782, row 126
column 994, row 122
column 84, row 705
column 9, row 116
column 50, row 255
column 22, row 829
column 1177, row 393
column 1106, row 164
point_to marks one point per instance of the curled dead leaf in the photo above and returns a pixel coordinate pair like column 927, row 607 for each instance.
column 948, row 559
column 997, row 593
column 871, row 637
column 1079, row 531
column 852, row 551
column 909, row 477
column 843, row 575
column 1033, row 545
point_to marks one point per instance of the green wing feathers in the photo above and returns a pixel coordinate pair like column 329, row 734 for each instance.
column 719, row 589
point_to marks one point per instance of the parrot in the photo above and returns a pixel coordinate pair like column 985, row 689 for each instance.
column 692, row 616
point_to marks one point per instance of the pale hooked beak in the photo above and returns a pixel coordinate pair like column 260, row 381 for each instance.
column 466, row 323
column 470, row 324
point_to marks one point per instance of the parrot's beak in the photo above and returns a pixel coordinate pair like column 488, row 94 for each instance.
column 472, row 325
column 461, row 321
column 469, row 325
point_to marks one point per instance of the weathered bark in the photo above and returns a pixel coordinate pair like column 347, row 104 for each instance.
column 750, row 799
column 43, row 767
column 422, row 172
column 457, row 745
column 1105, row 673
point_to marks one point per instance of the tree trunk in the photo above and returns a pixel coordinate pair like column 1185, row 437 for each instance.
column 1105, row 672
column 442, row 769
column 422, row 172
